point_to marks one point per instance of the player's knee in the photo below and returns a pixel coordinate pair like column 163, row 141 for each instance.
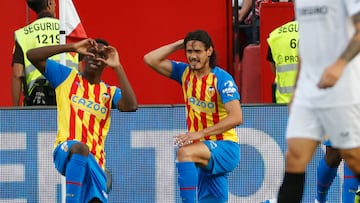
column 352, row 159
column 80, row 148
column 353, row 164
column 183, row 155
column 295, row 162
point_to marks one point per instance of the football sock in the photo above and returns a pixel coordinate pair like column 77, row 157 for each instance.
column 325, row 177
column 188, row 181
column 211, row 199
column 292, row 188
column 350, row 185
column 75, row 173
column 357, row 196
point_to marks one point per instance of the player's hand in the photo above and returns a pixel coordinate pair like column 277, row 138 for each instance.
column 111, row 56
column 188, row 138
column 82, row 47
column 331, row 75
column 182, row 140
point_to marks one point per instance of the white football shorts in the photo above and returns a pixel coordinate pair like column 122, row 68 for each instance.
column 340, row 124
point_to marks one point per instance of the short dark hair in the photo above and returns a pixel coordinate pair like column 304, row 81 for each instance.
column 37, row 5
column 204, row 37
column 102, row 41
column 99, row 41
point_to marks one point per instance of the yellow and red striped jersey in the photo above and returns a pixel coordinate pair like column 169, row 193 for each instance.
column 205, row 98
column 83, row 111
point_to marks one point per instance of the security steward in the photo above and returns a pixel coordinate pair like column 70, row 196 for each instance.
column 44, row 31
column 283, row 58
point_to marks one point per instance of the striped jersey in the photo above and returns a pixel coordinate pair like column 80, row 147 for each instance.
column 83, row 109
column 205, row 98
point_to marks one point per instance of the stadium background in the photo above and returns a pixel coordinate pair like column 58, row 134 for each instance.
column 140, row 154
column 136, row 27
column 140, row 151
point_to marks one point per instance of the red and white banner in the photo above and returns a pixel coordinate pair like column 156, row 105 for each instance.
column 70, row 22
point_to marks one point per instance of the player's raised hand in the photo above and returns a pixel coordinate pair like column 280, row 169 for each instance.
column 110, row 57
column 85, row 47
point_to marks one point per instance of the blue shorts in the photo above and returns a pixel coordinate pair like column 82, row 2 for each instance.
column 213, row 180
column 327, row 143
column 95, row 179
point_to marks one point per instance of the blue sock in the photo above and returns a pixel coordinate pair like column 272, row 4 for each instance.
column 350, row 185
column 325, row 177
column 188, row 181
column 75, row 173
column 212, row 199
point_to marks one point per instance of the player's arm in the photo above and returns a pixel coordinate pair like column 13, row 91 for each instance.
column 332, row 74
column 353, row 47
column 233, row 119
column 244, row 10
column 157, row 59
column 17, row 74
column 38, row 56
column 128, row 100
column 271, row 60
column 296, row 81
column 230, row 97
column 16, row 83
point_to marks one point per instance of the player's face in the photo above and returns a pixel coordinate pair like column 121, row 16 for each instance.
column 92, row 64
column 197, row 55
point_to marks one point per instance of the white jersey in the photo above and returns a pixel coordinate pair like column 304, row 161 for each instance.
column 325, row 29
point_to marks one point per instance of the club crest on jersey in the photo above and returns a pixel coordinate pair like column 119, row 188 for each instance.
column 105, row 97
column 211, row 91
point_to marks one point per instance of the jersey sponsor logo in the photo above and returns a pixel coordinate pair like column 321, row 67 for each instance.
column 311, row 11
column 89, row 106
column 229, row 88
column 344, row 134
column 202, row 106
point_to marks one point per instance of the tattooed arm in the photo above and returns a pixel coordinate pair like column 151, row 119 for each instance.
column 332, row 73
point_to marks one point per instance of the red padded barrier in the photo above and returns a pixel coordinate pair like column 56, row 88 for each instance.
column 250, row 75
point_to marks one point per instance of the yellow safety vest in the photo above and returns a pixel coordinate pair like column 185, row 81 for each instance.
column 283, row 42
column 42, row 32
